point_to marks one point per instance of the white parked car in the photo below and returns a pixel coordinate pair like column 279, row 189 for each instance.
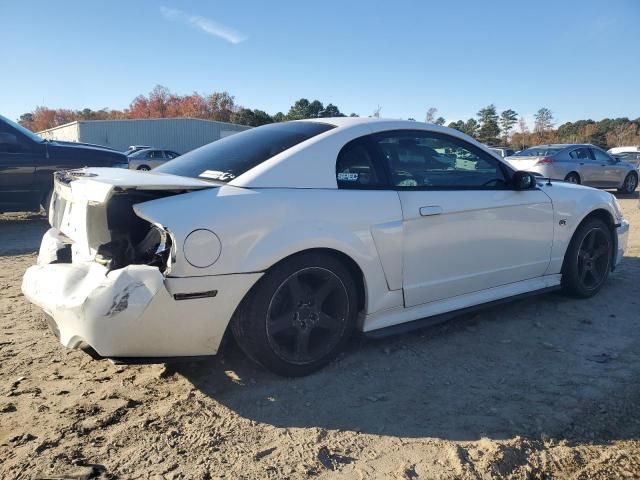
column 502, row 151
column 617, row 150
column 294, row 235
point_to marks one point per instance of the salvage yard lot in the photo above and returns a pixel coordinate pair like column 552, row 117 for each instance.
column 547, row 386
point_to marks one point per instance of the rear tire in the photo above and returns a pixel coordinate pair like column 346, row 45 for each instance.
column 573, row 177
column 630, row 183
column 144, row 168
column 299, row 316
column 587, row 262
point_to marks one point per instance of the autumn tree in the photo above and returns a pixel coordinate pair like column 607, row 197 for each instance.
column 158, row 102
column 222, row 106
column 139, row 108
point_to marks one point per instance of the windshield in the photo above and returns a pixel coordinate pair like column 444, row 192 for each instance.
column 538, row 151
column 24, row 131
column 225, row 159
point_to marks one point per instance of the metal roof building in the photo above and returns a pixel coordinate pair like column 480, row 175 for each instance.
column 177, row 134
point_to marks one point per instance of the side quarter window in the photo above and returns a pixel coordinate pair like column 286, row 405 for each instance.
column 357, row 167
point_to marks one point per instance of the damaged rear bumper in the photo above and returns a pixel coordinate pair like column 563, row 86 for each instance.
column 135, row 311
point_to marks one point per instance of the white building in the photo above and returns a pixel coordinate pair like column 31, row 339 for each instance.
column 177, row 134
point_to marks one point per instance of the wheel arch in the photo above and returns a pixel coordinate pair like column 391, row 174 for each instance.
column 607, row 217
column 576, row 173
column 631, row 172
column 352, row 266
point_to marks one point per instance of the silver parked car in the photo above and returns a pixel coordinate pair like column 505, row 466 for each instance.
column 150, row 158
column 577, row 163
column 502, row 151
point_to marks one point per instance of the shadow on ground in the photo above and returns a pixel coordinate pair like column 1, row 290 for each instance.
column 623, row 196
column 21, row 233
column 549, row 366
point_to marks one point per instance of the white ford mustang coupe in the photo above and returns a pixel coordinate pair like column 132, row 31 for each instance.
column 293, row 235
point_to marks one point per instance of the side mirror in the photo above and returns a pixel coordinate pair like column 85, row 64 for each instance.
column 523, row 180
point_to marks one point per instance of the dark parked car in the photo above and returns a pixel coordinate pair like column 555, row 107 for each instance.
column 27, row 163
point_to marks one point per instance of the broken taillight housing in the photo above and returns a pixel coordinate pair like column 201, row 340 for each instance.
column 154, row 249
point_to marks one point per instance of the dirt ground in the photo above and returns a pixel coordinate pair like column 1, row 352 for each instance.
column 547, row 387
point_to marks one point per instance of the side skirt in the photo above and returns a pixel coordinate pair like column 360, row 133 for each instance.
column 444, row 317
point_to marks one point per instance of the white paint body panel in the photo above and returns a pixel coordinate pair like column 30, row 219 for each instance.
column 482, row 239
column 465, row 249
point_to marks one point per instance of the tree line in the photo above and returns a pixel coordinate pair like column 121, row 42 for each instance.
column 506, row 128
column 162, row 103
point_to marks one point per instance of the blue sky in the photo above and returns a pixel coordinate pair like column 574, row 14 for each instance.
column 579, row 58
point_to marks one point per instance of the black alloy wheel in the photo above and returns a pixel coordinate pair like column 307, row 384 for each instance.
column 587, row 262
column 307, row 315
column 299, row 315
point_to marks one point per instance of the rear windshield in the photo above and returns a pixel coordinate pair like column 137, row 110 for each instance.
column 225, row 159
column 538, row 151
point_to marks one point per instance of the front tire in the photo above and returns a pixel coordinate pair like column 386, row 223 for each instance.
column 587, row 262
column 299, row 316
column 630, row 183
column 572, row 177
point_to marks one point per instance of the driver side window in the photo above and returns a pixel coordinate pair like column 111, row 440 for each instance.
column 423, row 160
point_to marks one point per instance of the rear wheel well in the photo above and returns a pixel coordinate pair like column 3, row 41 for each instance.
column 353, row 268
column 350, row 263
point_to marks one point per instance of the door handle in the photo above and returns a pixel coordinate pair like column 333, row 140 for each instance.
column 430, row 210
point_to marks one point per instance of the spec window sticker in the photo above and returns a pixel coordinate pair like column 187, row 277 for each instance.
column 348, row 177
column 217, row 175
